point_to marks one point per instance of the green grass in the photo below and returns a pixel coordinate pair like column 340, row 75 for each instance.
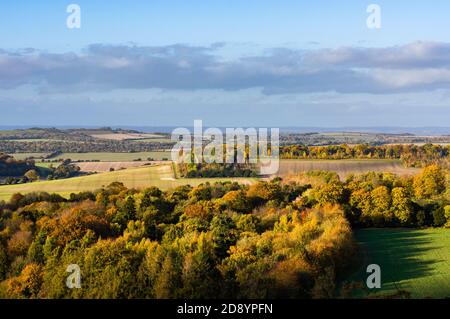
column 113, row 157
column 159, row 175
column 47, row 164
column 416, row 261
column 21, row 156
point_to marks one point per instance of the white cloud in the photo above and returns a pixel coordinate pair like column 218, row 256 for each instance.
column 420, row 66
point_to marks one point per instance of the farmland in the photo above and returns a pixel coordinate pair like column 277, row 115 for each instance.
column 126, row 136
column 160, row 176
column 113, row 157
column 344, row 167
column 137, row 174
column 107, row 166
column 22, row 156
column 412, row 260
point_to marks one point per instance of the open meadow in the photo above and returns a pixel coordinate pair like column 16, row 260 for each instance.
column 413, row 260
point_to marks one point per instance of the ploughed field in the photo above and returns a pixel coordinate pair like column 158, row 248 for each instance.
column 344, row 167
column 413, row 260
column 107, row 166
column 114, row 157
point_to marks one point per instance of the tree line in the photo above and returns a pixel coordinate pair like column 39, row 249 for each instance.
column 69, row 146
column 9, row 166
column 213, row 170
column 411, row 155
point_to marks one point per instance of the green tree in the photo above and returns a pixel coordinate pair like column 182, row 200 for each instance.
column 402, row 206
column 329, row 193
column 169, row 279
column 36, row 252
column 447, row 215
column 223, row 234
column 381, row 206
column 200, row 277
column 430, row 182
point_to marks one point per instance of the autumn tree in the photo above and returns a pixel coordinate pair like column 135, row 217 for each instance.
column 3, row 262
column 402, row 206
column 430, row 182
column 381, row 206
column 169, row 278
column 32, row 175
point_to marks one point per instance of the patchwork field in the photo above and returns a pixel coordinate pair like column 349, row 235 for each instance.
column 114, row 157
column 416, row 261
column 107, row 166
column 158, row 175
column 22, row 156
column 344, row 167
column 126, row 136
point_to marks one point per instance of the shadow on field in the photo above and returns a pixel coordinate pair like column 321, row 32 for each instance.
column 398, row 252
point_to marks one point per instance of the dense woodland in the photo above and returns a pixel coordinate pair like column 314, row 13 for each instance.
column 338, row 138
column 285, row 238
column 52, row 140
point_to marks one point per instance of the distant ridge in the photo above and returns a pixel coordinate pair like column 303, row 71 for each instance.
column 420, row 131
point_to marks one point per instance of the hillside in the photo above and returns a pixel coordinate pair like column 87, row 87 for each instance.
column 160, row 176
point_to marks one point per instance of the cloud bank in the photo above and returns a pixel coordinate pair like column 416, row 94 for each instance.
column 415, row 67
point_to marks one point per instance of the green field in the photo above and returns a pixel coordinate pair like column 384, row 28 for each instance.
column 159, row 175
column 22, row 156
column 416, row 261
column 113, row 157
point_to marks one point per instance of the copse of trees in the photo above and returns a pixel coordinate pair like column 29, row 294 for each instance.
column 9, row 166
column 385, row 200
column 411, row 155
column 65, row 170
column 18, row 172
column 194, row 170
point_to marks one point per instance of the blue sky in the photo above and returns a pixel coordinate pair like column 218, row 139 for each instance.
column 253, row 62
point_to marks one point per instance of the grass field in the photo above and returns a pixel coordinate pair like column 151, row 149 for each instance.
column 344, row 167
column 159, row 175
column 417, row 261
column 21, row 156
column 113, row 157
column 106, row 166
